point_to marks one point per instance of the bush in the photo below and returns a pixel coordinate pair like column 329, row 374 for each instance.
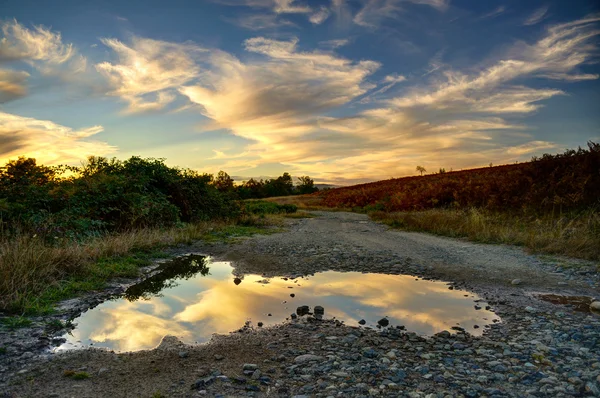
column 106, row 195
column 261, row 207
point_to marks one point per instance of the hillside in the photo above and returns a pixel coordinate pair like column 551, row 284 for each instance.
column 551, row 183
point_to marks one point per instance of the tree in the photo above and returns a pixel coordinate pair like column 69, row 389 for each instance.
column 306, row 185
column 421, row 169
column 223, row 182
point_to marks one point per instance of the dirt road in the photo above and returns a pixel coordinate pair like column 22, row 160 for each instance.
column 538, row 350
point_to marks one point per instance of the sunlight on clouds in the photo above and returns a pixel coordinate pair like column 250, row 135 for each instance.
column 556, row 56
column 148, row 68
column 134, row 330
column 12, row 84
column 319, row 16
column 271, row 99
column 39, row 44
column 374, row 11
column 46, row 141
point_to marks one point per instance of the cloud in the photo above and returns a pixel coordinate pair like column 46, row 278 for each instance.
column 537, row 16
column 319, row 16
column 494, row 13
column 40, row 47
column 12, row 84
column 333, row 44
column 261, row 21
column 39, row 44
column 374, row 11
column 48, row 142
column 556, row 56
column 278, row 96
column 148, row 72
column 290, row 7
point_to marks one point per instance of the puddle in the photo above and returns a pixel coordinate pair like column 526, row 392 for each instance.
column 578, row 303
column 192, row 298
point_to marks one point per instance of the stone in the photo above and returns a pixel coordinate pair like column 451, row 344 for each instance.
column 260, row 324
column 183, row 354
column 303, row 310
column 219, row 357
column 307, row 358
column 256, row 375
column 362, row 322
column 516, row 282
column 383, row 322
column 530, row 309
column 319, row 310
column 250, row 366
column 237, row 281
column 595, row 306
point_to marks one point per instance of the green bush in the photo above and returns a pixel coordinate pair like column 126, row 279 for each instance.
column 106, row 195
column 262, row 207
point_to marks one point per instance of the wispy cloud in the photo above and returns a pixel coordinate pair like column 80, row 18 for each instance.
column 537, row 16
column 319, row 16
column 374, row 11
column 333, row 44
column 260, row 21
column 149, row 72
column 37, row 44
column 39, row 47
column 556, row 56
column 276, row 98
column 48, row 142
column 494, row 13
column 12, row 84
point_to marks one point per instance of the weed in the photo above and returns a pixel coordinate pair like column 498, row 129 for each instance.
column 16, row 322
column 2, row 350
column 576, row 234
column 76, row 375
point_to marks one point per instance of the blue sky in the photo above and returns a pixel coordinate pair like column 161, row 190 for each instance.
column 342, row 90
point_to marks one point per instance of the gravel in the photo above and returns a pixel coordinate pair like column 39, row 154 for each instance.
column 538, row 350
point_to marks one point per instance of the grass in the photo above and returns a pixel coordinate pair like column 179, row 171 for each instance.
column 76, row 375
column 16, row 322
column 35, row 276
column 573, row 235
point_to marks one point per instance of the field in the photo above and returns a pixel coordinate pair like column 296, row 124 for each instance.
column 549, row 205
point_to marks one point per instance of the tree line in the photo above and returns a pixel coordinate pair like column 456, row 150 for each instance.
column 103, row 195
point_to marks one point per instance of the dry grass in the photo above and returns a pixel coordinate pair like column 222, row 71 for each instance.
column 33, row 274
column 305, row 202
column 573, row 235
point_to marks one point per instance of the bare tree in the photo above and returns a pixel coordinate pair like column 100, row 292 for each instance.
column 421, row 169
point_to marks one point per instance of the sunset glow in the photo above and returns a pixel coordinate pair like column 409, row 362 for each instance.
column 342, row 90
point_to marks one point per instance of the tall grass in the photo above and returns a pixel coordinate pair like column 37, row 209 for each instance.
column 574, row 234
column 33, row 274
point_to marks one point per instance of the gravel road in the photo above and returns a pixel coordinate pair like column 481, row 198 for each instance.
column 539, row 349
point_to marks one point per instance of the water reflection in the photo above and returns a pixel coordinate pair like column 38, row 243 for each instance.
column 193, row 304
column 167, row 275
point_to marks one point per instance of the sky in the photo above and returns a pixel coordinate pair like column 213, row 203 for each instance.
column 345, row 91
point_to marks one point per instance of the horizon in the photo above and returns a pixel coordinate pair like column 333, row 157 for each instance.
column 345, row 92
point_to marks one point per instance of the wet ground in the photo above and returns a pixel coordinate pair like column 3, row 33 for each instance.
column 540, row 349
column 192, row 297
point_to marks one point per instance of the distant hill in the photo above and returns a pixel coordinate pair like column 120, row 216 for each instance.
column 570, row 180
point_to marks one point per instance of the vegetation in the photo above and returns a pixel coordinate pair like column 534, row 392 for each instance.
column 575, row 234
column 76, row 375
column 548, row 205
column 551, row 184
column 262, row 207
column 280, row 186
column 66, row 230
